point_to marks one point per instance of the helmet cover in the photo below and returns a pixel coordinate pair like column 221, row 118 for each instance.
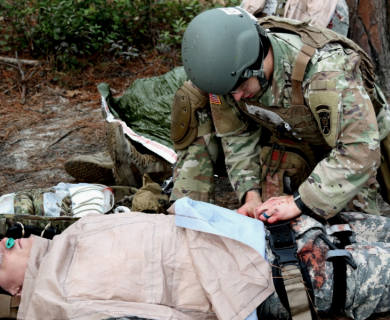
column 218, row 46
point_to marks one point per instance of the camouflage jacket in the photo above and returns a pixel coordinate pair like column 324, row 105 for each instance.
column 345, row 177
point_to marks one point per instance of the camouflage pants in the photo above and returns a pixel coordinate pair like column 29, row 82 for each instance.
column 193, row 175
column 194, row 171
column 31, row 202
column 368, row 286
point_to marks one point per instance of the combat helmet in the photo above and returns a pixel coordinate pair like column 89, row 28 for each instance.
column 223, row 47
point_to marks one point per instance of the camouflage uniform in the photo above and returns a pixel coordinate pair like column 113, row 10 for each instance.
column 348, row 158
column 30, row 202
column 194, row 170
column 367, row 286
column 340, row 20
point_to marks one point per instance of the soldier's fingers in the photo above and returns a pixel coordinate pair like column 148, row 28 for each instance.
column 259, row 215
column 266, row 214
column 263, row 217
column 244, row 212
column 274, row 218
column 260, row 209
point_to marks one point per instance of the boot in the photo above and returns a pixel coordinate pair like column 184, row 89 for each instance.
column 129, row 164
column 91, row 168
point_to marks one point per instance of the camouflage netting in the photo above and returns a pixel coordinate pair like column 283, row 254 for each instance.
column 146, row 104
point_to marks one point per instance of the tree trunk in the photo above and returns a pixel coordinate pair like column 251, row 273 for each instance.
column 369, row 27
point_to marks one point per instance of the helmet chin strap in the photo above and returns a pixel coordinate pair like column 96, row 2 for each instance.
column 260, row 74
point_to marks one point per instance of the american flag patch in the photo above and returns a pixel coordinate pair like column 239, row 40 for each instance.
column 214, row 98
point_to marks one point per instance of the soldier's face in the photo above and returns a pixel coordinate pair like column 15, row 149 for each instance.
column 14, row 264
column 247, row 90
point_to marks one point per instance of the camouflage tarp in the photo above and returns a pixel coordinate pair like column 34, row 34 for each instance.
column 146, row 105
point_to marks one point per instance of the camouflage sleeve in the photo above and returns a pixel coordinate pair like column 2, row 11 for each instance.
column 353, row 135
column 240, row 140
column 242, row 158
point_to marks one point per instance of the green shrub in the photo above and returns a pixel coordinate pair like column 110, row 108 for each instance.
column 75, row 32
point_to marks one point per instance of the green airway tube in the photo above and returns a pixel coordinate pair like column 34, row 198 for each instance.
column 10, row 243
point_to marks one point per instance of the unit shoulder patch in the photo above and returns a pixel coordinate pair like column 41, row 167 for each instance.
column 324, row 113
column 324, row 105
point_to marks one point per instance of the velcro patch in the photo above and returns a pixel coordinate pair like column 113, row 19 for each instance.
column 323, row 85
column 214, row 98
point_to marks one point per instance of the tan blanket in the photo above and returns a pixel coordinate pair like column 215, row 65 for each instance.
column 143, row 265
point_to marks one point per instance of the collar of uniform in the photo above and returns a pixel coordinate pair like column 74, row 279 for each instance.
column 285, row 50
column 274, row 95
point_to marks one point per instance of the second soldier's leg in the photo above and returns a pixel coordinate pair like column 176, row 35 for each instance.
column 367, row 228
column 368, row 286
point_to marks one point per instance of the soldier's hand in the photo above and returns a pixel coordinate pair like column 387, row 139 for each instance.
column 277, row 208
column 252, row 201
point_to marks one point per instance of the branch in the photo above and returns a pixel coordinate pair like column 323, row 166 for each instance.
column 9, row 65
column 15, row 61
column 64, row 136
column 23, row 97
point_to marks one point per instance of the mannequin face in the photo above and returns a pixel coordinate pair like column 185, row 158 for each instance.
column 14, row 264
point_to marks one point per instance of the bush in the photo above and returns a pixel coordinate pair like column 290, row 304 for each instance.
column 75, row 32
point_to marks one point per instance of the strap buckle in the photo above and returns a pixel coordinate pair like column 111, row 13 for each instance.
column 348, row 258
column 282, row 243
column 268, row 159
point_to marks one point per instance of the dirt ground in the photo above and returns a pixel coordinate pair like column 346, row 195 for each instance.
column 61, row 117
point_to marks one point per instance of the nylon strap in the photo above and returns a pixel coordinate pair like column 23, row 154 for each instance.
column 288, row 266
column 9, row 306
column 281, row 5
column 339, row 285
column 338, row 253
column 272, row 185
column 298, row 73
column 205, row 128
column 296, row 293
column 338, row 228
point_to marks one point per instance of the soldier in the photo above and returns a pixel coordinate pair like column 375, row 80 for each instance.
column 315, row 100
column 136, row 264
column 107, row 167
column 332, row 14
